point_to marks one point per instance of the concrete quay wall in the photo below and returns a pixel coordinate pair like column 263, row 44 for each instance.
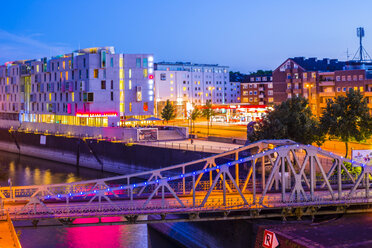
column 91, row 153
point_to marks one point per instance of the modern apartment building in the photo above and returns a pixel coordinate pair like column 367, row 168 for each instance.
column 185, row 84
column 257, row 90
column 319, row 80
column 93, row 86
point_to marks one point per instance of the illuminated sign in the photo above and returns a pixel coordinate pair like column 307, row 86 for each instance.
column 105, row 114
column 151, row 76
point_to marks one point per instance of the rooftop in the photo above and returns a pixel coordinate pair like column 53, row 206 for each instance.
column 314, row 64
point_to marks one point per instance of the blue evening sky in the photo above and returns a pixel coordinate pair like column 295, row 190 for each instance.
column 243, row 34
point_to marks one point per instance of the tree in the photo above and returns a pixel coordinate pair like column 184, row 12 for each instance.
column 347, row 117
column 168, row 112
column 291, row 119
column 208, row 112
column 192, row 116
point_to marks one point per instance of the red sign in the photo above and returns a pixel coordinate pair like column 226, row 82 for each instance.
column 270, row 240
column 105, row 114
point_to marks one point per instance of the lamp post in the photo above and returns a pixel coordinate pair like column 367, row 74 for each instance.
column 309, row 86
column 211, row 90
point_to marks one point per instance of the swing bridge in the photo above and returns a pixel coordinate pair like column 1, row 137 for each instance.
column 266, row 179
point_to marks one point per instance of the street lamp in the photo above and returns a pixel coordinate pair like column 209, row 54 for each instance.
column 309, row 86
column 211, row 90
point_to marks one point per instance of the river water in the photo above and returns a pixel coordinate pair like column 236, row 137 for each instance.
column 30, row 171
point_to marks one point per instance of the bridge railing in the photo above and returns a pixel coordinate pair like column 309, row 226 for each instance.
column 255, row 176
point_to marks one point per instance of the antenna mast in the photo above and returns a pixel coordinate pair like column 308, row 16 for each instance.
column 363, row 55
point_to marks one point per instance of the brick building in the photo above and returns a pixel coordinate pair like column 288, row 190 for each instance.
column 257, row 90
column 319, row 80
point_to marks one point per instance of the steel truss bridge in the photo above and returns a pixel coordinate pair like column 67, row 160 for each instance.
column 270, row 178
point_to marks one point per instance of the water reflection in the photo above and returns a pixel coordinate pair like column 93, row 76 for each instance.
column 29, row 171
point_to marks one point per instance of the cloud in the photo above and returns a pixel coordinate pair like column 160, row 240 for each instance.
column 20, row 47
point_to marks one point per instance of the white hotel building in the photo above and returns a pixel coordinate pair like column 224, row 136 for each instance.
column 93, row 86
column 186, row 83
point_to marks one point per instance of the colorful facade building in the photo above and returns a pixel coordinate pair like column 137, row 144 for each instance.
column 257, row 90
column 319, row 80
column 93, row 86
column 185, row 84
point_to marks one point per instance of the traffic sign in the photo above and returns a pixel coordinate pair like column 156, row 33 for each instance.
column 270, row 240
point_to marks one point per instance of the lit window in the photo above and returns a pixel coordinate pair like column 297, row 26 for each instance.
column 121, row 85
column 66, row 74
column 121, row 73
column 129, row 73
column 50, row 97
column 171, row 88
column 171, row 82
column 171, row 75
column 37, row 68
column 130, row 107
column 122, row 107
column 145, row 74
column 361, row 88
column 72, row 96
column 121, row 96
column 184, row 88
column 64, row 65
column 95, row 73
column 130, row 84
column 121, row 62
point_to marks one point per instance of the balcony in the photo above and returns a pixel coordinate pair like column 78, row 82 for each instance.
column 329, row 94
column 322, row 105
column 327, row 83
column 261, row 96
column 297, row 91
column 368, row 93
column 261, row 89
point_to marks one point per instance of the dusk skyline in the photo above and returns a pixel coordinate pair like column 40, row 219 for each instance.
column 243, row 35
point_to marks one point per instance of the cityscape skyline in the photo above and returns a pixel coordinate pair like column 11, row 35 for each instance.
column 246, row 40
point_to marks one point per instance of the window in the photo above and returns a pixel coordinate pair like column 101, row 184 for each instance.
column 84, row 64
column 145, row 62
column 304, row 75
column 344, row 89
column 361, row 89
column 138, row 62
column 163, row 76
column 112, row 62
column 95, row 73
column 338, row 89
column 145, row 73
column 121, row 73
column 130, row 73
column 112, row 84
column 130, row 107
column 313, row 75
column 349, row 78
column 103, row 84
column 121, row 62
column 112, row 96
column 87, row 73
column 90, row 97
column 289, row 86
column 130, row 84
column 360, row 77
column 343, row 78
column 270, row 92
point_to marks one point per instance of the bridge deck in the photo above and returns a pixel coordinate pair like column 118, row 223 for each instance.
column 8, row 237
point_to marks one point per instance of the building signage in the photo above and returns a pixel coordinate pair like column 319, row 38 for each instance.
column 147, row 134
column 362, row 156
column 42, row 139
column 105, row 114
column 270, row 240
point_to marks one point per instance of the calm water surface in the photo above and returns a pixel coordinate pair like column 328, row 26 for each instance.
column 30, row 171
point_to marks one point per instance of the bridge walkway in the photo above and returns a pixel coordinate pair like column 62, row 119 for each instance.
column 8, row 235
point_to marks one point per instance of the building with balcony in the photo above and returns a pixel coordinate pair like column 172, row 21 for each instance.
column 93, row 86
column 320, row 80
column 185, row 84
column 257, row 90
